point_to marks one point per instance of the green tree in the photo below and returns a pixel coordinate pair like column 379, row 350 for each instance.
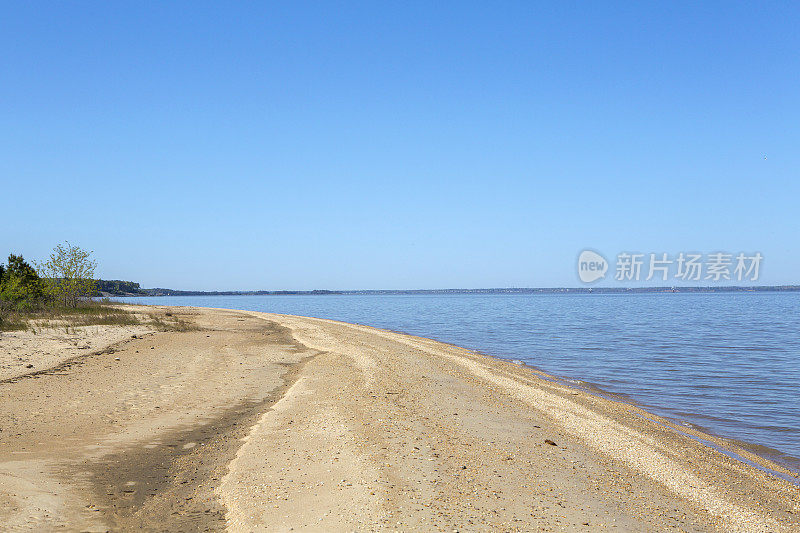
column 20, row 285
column 69, row 273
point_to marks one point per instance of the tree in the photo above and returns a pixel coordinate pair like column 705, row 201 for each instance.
column 69, row 273
column 19, row 283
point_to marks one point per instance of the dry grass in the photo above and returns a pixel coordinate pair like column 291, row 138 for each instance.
column 94, row 313
column 164, row 320
column 169, row 322
column 12, row 323
column 87, row 314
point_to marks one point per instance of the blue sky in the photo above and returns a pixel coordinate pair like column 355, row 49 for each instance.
column 366, row 145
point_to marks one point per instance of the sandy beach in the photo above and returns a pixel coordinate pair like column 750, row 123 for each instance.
column 260, row 422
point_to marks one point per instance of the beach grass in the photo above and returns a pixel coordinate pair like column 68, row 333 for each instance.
column 169, row 322
column 86, row 314
column 89, row 313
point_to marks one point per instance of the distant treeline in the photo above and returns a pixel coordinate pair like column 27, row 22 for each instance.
column 127, row 288
column 115, row 287
column 580, row 290
column 173, row 292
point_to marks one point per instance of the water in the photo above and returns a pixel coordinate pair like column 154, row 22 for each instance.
column 725, row 362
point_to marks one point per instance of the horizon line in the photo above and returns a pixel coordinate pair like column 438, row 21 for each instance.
column 582, row 289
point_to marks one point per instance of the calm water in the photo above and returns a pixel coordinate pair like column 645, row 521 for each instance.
column 729, row 363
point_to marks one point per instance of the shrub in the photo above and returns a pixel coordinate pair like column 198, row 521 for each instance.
column 20, row 285
column 70, row 274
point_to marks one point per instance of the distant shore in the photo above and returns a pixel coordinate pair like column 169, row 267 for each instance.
column 250, row 421
column 510, row 290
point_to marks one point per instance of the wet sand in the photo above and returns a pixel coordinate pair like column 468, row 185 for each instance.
column 261, row 422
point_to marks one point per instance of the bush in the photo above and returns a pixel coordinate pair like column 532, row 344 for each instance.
column 20, row 285
column 70, row 274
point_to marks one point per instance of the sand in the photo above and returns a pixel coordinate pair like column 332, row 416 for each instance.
column 262, row 422
column 24, row 352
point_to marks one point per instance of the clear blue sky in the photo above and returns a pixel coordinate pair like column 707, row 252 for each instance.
column 373, row 145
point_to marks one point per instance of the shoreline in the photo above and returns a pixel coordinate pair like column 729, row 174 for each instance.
column 783, row 464
column 344, row 427
column 739, row 450
column 789, row 465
